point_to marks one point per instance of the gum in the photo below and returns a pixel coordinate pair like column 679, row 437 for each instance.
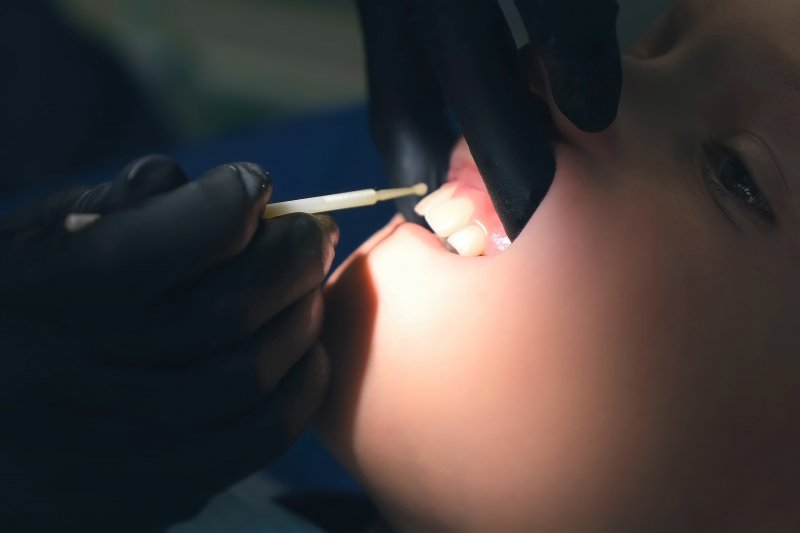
column 467, row 180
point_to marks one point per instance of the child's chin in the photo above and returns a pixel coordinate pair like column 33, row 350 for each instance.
column 398, row 255
column 350, row 306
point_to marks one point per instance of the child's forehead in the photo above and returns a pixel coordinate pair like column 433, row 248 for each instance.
column 763, row 31
column 765, row 17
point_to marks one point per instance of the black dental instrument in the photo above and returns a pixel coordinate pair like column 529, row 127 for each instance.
column 576, row 40
column 408, row 115
column 429, row 57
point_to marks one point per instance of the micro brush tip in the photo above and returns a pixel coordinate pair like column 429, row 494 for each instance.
column 421, row 189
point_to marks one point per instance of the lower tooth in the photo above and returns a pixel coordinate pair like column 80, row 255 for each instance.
column 469, row 240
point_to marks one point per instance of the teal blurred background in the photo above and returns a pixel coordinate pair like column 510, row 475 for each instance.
column 213, row 65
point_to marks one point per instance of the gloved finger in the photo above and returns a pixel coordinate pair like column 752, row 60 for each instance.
column 265, row 433
column 408, row 116
column 507, row 128
column 221, row 388
column 576, row 41
column 287, row 259
column 141, row 179
column 286, row 339
column 41, row 218
column 168, row 240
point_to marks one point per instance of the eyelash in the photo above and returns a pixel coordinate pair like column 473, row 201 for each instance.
column 730, row 177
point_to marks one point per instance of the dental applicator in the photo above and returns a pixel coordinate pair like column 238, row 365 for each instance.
column 342, row 200
column 75, row 222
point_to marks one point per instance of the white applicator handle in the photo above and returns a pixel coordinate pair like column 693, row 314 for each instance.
column 343, row 200
column 75, row 222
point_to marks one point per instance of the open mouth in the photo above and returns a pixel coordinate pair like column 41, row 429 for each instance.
column 461, row 213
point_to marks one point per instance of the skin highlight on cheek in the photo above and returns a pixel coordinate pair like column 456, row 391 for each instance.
column 576, row 407
column 440, row 382
column 628, row 364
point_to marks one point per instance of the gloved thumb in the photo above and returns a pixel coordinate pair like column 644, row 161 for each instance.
column 576, row 41
column 141, row 179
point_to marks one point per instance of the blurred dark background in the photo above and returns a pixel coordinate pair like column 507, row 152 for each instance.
column 88, row 82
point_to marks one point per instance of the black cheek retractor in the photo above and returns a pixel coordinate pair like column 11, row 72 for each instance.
column 473, row 53
column 576, row 40
column 409, row 118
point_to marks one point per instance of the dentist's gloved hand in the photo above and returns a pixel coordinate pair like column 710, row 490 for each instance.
column 157, row 356
column 427, row 58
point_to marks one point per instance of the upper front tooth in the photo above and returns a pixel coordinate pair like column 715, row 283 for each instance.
column 450, row 216
column 438, row 196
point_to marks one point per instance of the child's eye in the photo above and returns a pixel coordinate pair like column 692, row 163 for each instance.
column 732, row 176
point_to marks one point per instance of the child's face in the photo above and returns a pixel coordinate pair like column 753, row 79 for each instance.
column 632, row 360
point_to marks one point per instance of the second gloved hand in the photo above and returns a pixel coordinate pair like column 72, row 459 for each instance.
column 159, row 355
column 429, row 58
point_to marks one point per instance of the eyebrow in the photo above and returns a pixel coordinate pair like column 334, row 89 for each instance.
column 783, row 68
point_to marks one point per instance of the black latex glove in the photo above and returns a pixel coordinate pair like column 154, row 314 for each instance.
column 157, row 356
column 420, row 50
